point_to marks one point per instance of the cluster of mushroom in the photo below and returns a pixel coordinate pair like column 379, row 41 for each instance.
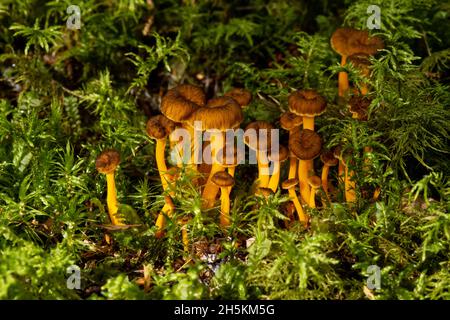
column 187, row 114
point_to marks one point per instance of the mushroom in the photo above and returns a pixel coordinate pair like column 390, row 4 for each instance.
column 241, row 96
column 348, row 41
column 362, row 63
column 277, row 157
column 158, row 128
column 219, row 115
column 265, row 192
column 329, row 160
column 308, row 104
column 178, row 104
column 305, row 146
column 260, row 143
column 289, row 185
column 229, row 160
column 314, row 182
column 291, row 122
column 107, row 163
column 224, row 180
column 346, row 174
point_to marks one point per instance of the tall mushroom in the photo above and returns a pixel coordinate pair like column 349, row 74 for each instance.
column 305, row 146
column 329, row 160
column 291, row 122
column 219, row 114
column 348, row 41
column 314, row 182
column 258, row 137
column 277, row 158
column 178, row 104
column 289, row 185
column 107, row 163
column 224, row 180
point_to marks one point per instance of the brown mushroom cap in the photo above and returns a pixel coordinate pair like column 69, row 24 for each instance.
column 219, row 113
column 159, row 127
column 281, row 155
column 359, row 60
column 307, row 103
column 242, row 96
column 258, row 144
column 347, row 41
column 306, row 145
column 289, row 184
column 179, row 102
column 266, row 192
column 223, row 179
column 359, row 106
column 107, row 161
column 328, row 158
column 337, row 152
column 314, row 181
column 289, row 120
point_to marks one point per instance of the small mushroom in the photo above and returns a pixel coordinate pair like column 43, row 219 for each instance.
column 306, row 146
column 260, row 143
column 289, row 185
column 224, row 180
column 291, row 122
column 329, row 160
column 243, row 97
column 106, row 164
column 308, row 104
column 277, row 158
column 314, row 182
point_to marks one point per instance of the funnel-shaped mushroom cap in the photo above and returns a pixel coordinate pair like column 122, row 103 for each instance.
column 280, row 155
column 347, row 41
column 359, row 60
column 289, row 120
column 314, row 181
column 242, row 96
column 258, row 135
column 159, row 127
column 179, row 102
column 223, row 179
column 328, row 158
column 266, row 192
column 107, row 161
column 359, row 107
column 220, row 113
column 307, row 103
column 289, row 184
column 306, row 145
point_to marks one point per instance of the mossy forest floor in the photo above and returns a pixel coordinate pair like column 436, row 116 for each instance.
column 66, row 95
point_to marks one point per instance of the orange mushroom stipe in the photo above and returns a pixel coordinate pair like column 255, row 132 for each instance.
column 107, row 163
column 224, row 180
column 290, row 185
column 306, row 146
column 349, row 41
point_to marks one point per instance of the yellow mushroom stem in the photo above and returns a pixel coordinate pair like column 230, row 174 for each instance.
column 308, row 123
column 292, row 167
column 111, row 199
column 263, row 169
column 312, row 199
column 324, row 177
column 350, row 185
column 224, row 207
column 166, row 211
column 275, row 178
column 211, row 189
column 161, row 161
column 376, row 193
column 343, row 79
column 298, row 207
column 303, row 167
